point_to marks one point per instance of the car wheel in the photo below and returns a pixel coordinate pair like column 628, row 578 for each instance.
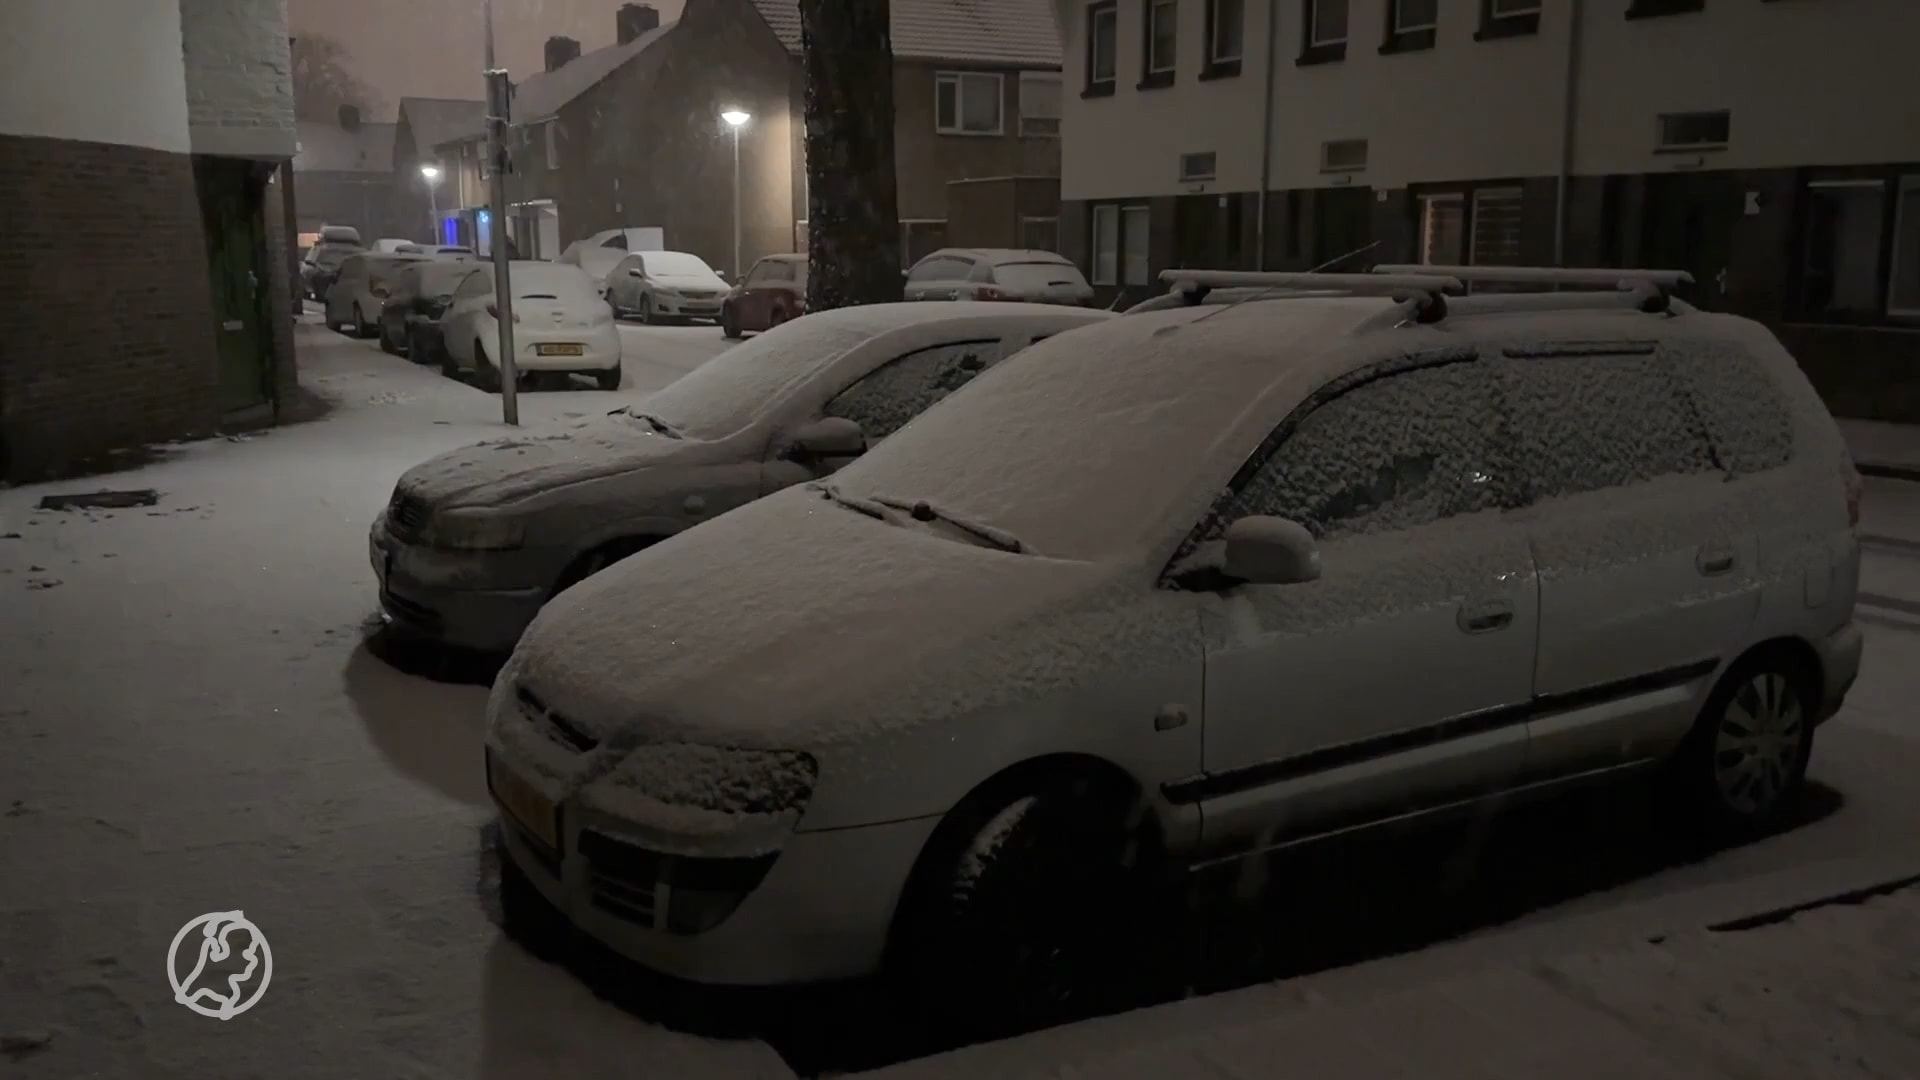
column 387, row 343
column 729, row 324
column 327, row 319
column 449, row 366
column 359, row 324
column 1026, row 909
column 646, row 310
column 1747, row 755
column 485, row 375
column 607, row 380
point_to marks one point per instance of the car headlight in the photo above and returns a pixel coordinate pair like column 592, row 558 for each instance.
column 470, row 531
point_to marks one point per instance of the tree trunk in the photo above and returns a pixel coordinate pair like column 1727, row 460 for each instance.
column 853, row 209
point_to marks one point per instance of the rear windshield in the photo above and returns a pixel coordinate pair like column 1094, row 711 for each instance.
column 557, row 280
column 330, row 256
column 440, row 277
column 381, row 271
column 1037, row 275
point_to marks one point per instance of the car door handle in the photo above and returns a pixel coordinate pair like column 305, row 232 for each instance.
column 1485, row 618
column 1714, row 561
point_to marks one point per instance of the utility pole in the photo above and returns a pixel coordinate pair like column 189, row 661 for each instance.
column 499, row 95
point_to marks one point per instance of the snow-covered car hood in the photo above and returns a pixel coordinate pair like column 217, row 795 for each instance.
column 764, row 628
column 501, row 471
column 692, row 281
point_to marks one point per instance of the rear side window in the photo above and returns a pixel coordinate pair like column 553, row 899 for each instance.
column 886, row 398
column 1586, row 418
column 1396, row 452
column 1738, row 402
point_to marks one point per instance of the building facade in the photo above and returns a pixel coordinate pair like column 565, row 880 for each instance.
column 1768, row 147
column 146, row 258
column 429, row 208
column 344, row 173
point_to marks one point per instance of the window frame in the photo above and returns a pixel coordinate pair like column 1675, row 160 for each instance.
column 1211, row 173
column 1327, row 164
column 1217, row 64
column 1098, row 12
column 551, row 134
column 1158, row 71
column 957, row 78
column 1470, row 195
column 1496, row 25
column 1111, row 275
column 1653, row 9
column 1899, row 186
column 1409, row 38
column 1314, row 49
column 1661, row 145
column 1889, row 181
column 1032, row 78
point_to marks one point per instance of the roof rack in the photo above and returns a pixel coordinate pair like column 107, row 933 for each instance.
column 1427, row 290
column 1653, row 289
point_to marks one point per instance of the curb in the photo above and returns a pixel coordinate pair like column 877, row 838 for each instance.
column 1910, row 473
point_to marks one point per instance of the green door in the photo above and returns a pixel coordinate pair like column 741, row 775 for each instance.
column 233, row 211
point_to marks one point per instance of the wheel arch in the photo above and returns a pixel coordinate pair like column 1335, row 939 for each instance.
column 1795, row 652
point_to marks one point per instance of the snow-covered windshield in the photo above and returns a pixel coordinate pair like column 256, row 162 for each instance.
column 675, row 264
column 724, row 394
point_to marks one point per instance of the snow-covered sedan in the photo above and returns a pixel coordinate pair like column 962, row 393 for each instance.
column 660, row 286
column 1034, row 277
column 359, row 293
column 1178, row 589
column 475, row 541
column 561, row 325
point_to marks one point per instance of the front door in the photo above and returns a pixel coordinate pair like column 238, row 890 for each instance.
column 232, row 210
column 1687, row 225
column 1398, row 681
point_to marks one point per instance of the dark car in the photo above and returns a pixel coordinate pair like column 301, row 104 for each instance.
column 321, row 267
column 418, row 296
column 774, row 291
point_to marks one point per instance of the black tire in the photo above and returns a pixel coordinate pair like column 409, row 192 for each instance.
column 1027, row 910
column 607, row 380
column 361, row 329
column 326, row 317
column 387, row 344
column 1746, row 758
column 729, row 324
column 646, row 311
column 485, row 375
column 437, row 351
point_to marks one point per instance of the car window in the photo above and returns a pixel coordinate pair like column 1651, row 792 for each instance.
column 631, row 262
column 617, row 240
column 889, row 396
column 940, row 269
column 1394, row 452
column 779, row 270
column 475, row 283
column 1587, row 417
column 1738, row 402
column 1037, row 275
column 406, row 282
column 759, row 273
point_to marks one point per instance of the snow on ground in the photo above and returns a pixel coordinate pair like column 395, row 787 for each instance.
column 193, row 724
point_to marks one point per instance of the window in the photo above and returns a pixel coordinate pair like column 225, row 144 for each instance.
column 967, row 102
column 1647, row 9
column 1159, row 41
column 1903, row 288
column 1326, row 22
column 1040, row 233
column 1343, row 155
column 942, row 268
column 778, row 270
column 1133, row 246
column 886, row 398
column 1226, row 35
column 1103, row 41
column 1443, row 229
column 1412, row 15
column 1106, row 245
column 474, row 284
column 1039, row 103
column 1737, row 402
column 1120, row 245
column 1508, row 18
column 553, row 144
column 1197, row 166
column 1586, row 420
column 1394, row 452
column 1695, row 130
column 1840, row 274
column 1494, row 237
column 920, row 238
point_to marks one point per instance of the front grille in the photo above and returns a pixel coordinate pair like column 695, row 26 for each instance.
column 695, row 295
column 631, row 883
column 635, row 904
column 407, row 514
column 554, row 722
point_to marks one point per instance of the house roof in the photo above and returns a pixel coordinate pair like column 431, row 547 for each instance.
column 1019, row 33
column 325, row 147
column 541, row 95
column 441, row 120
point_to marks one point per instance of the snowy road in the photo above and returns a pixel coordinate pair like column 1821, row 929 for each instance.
column 194, row 724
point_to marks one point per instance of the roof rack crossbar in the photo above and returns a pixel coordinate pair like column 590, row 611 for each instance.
column 1624, row 279
column 1417, row 280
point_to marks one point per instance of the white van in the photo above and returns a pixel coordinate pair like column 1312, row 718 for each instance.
column 1200, row 583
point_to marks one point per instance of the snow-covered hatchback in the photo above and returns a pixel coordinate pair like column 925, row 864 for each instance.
column 1200, row 582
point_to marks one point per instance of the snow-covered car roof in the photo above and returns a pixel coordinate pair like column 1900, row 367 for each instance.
column 1003, row 256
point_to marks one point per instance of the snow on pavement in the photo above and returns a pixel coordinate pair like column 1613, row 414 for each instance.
column 193, row 725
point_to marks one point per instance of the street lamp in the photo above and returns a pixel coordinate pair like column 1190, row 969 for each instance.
column 736, row 119
column 431, row 174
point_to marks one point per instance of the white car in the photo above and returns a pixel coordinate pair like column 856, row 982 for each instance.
column 474, row 541
column 1178, row 589
column 357, row 296
column 600, row 253
column 656, row 286
column 561, row 325
column 1035, row 277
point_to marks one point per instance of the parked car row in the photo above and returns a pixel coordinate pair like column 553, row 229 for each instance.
column 1006, row 612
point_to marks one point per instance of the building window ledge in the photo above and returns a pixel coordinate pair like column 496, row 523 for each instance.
column 1322, row 54
column 1098, row 89
column 1508, row 26
column 1408, row 41
column 1653, row 9
column 1155, row 80
column 1220, row 69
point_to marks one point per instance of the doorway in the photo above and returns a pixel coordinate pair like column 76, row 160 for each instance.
column 233, row 217
column 1687, row 224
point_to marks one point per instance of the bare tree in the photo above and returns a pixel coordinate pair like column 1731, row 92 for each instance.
column 853, row 208
column 323, row 82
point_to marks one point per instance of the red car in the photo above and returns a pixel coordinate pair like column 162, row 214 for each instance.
column 773, row 291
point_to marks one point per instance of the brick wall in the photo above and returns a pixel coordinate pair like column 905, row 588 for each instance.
column 239, row 77
column 97, row 351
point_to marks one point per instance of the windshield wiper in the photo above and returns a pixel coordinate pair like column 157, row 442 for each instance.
column 660, row 427
column 871, row 508
column 921, row 510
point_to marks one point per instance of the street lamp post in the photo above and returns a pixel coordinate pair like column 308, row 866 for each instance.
column 431, row 174
column 736, row 119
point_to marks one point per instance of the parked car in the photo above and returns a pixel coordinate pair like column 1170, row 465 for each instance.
column 322, row 265
column 359, row 293
column 561, row 325
column 392, row 245
column 656, row 286
column 417, row 298
column 600, row 253
column 774, row 291
column 527, row 518
column 340, row 234
column 1179, row 589
column 1039, row 277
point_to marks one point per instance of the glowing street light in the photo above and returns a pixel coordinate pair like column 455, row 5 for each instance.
column 431, row 174
column 736, row 119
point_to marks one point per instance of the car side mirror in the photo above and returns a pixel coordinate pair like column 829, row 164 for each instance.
column 631, row 272
column 830, row 436
column 1271, row 551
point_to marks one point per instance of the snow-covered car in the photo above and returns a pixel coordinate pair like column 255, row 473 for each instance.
column 1034, row 277
column 1179, row 589
column 321, row 265
column 774, row 291
column 359, row 292
column 473, row 542
column 416, row 300
column 396, row 245
column 600, row 253
column 656, row 286
column 561, row 325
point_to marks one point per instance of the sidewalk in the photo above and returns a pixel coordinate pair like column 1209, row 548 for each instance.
column 1828, row 992
column 1883, row 449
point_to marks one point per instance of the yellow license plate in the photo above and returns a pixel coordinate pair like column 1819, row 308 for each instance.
column 524, row 803
column 559, row 350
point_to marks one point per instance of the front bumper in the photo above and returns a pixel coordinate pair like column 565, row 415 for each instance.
column 688, row 306
column 485, row 620
column 822, row 912
column 1840, row 662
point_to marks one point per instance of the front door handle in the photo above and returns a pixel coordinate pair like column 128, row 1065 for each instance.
column 1485, row 618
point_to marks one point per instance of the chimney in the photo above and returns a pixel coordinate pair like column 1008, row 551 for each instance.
column 560, row 50
column 350, row 117
column 633, row 20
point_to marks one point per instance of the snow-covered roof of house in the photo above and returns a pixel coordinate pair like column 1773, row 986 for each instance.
column 436, row 121
column 1019, row 33
column 539, row 96
column 328, row 147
